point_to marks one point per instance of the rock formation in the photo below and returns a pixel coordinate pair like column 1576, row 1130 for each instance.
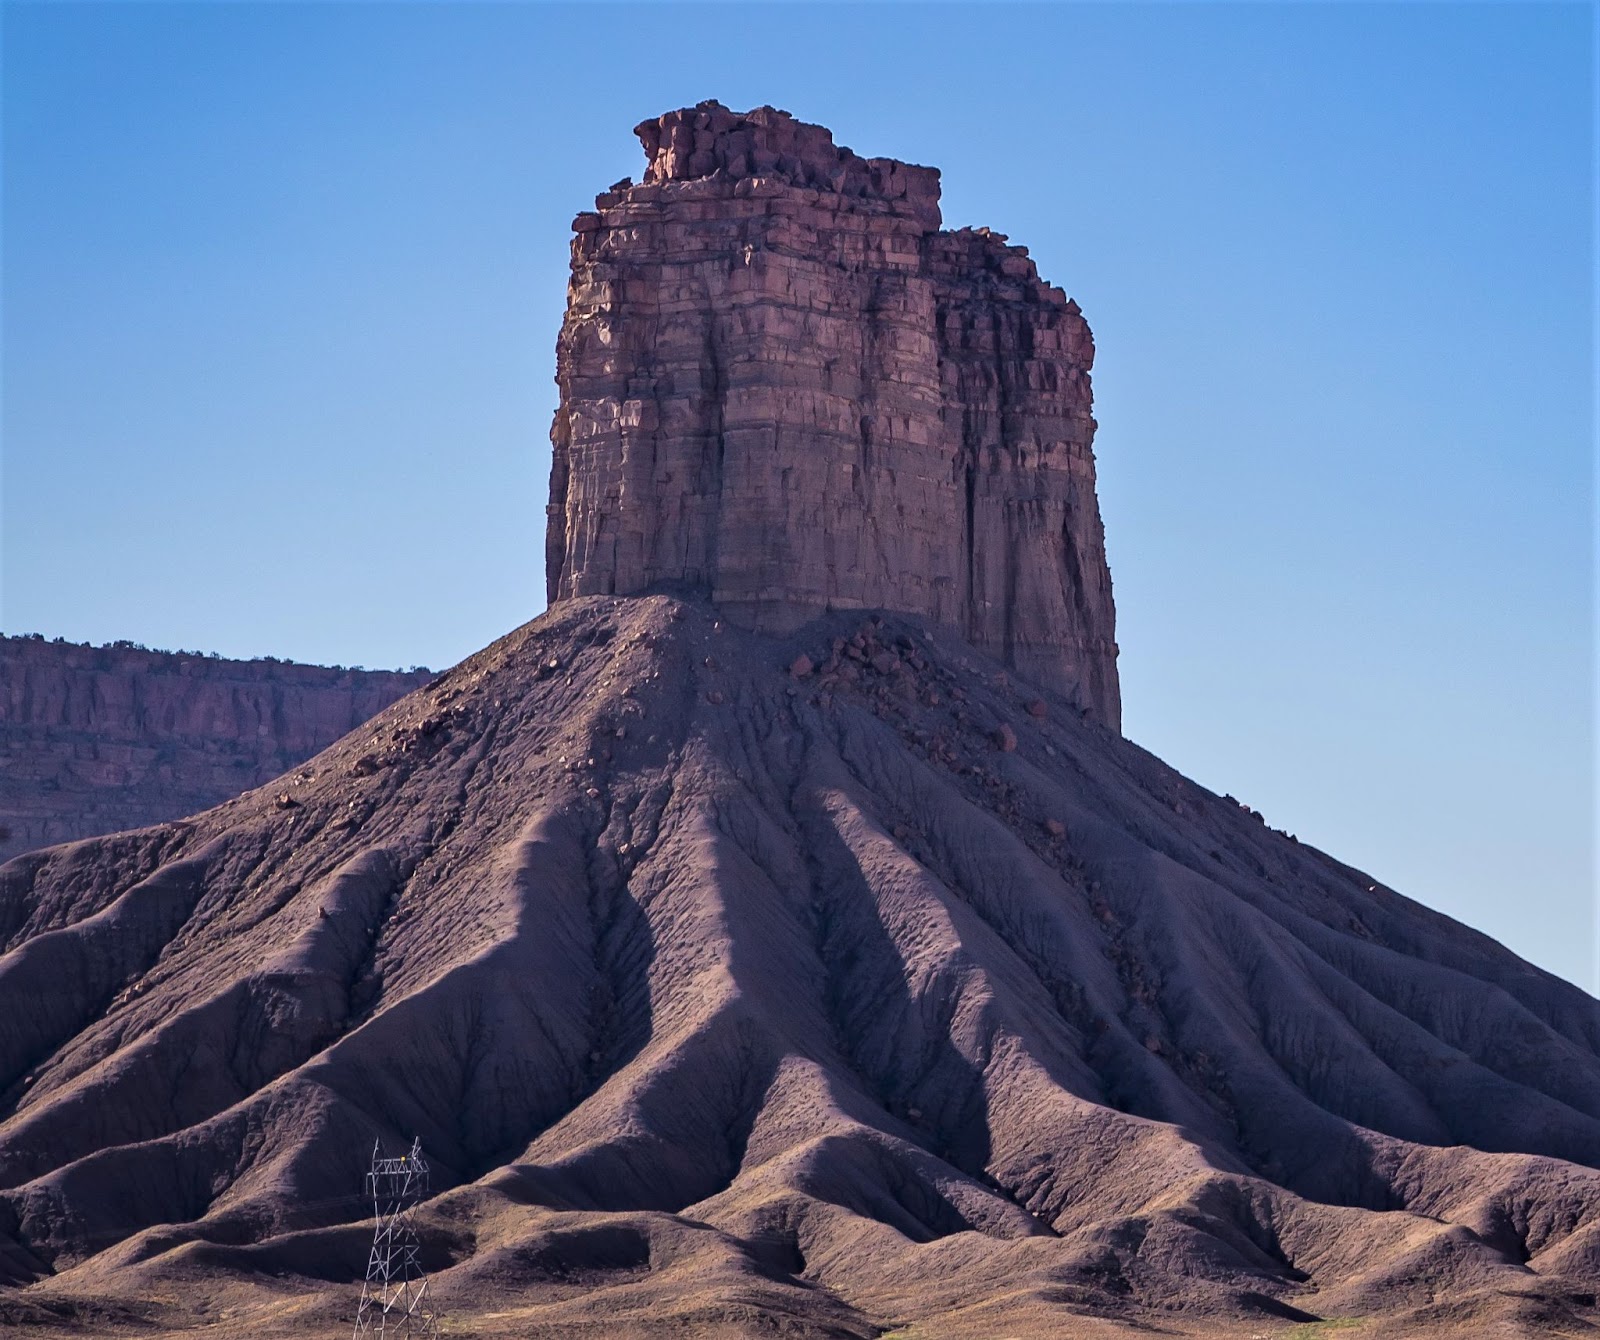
column 783, row 385
column 97, row 739
column 820, row 983
column 730, row 996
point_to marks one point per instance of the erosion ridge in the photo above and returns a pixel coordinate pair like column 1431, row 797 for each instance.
column 782, row 384
column 96, row 739
column 718, row 985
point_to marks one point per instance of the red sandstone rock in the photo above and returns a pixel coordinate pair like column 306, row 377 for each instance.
column 97, row 739
column 783, row 385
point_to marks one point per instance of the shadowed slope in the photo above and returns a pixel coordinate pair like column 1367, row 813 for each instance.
column 726, row 998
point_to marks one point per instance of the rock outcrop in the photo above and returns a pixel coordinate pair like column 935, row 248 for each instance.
column 825, row 983
column 97, row 739
column 821, row 986
column 783, row 385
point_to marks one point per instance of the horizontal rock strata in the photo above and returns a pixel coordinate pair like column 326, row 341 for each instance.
column 97, row 739
column 782, row 384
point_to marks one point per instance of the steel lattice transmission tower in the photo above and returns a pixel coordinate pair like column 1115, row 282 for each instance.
column 394, row 1300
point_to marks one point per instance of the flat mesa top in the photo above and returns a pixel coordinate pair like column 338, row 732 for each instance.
column 710, row 141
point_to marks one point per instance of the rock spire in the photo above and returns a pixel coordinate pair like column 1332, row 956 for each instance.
column 785, row 386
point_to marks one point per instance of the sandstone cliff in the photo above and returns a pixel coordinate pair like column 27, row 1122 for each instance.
column 784, row 386
column 97, row 739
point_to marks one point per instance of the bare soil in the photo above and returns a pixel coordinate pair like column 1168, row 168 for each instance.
column 887, row 997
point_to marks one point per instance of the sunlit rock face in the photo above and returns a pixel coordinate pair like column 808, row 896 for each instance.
column 785, row 386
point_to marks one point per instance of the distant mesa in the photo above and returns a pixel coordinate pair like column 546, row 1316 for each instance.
column 785, row 387
column 97, row 739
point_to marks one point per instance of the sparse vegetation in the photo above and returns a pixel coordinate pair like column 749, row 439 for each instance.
column 127, row 644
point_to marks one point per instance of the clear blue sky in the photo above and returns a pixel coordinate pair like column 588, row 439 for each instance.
column 282, row 284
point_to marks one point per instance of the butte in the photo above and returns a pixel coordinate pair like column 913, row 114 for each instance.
column 777, row 935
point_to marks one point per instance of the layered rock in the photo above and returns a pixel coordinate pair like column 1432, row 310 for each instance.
column 784, row 386
column 97, row 739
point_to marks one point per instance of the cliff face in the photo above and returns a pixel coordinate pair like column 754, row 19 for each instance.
column 98, row 739
column 783, row 385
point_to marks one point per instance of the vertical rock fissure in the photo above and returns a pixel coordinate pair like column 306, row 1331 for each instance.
column 718, row 443
column 1006, row 447
column 970, row 546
